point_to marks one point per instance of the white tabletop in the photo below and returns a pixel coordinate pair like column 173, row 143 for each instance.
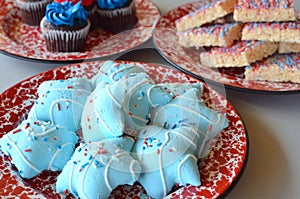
column 272, row 121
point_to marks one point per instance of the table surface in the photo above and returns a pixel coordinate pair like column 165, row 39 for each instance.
column 272, row 121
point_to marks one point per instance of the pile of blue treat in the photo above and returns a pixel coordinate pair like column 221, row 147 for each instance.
column 114, row 129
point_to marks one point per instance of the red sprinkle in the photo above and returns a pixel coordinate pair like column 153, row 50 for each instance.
column 158, row 151
column 210, row 128
column 69, row 87
column 16, row 131
column 66, row 191
column 58, row 106
column 27, row 126
column 27, row 150
column 54, row 138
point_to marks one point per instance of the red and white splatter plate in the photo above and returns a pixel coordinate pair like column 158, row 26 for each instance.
column 23, row 41
column 219, row 171
column 188, row 60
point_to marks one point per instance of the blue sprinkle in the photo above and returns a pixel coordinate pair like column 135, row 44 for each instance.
column 47, row 92
column 165, row 125
column 159, row 144
column 33, row 137
column 91, row 157
column 74, row 162
column 142, row 94
column 144, row 148
column 86, row 164
column 183, row 120
column 174, row 126
column 58, row 146
column 79, row 149
column 44, row 139
column 36, row 102
column 76, row 194
column 98, row 164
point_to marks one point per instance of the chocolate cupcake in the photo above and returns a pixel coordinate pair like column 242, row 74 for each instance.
column 116, row 15
column 91, row 7
column 65, row 27
column 32, row 11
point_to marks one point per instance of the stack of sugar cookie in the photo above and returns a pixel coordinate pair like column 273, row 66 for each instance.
column 262, row 36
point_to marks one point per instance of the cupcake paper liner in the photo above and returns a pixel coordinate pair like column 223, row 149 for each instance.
column 32, row 12
column 119, row 19
column 65, row 41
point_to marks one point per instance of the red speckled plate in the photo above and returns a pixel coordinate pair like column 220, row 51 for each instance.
column 219, row 171
column 23, row 41
column 188, row 60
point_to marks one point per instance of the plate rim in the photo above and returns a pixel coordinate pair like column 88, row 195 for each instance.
column 214, row 82
column 241, row 169
column 78, row 60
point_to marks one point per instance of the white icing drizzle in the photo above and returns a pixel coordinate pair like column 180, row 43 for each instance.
column 132, row 170
column 83, row 176
column 22, row 156
column 119, row 70
column 107, row 167
column 112, row 97
column 132, row 89
column 60, row 100
column 57, row 151
column 73, row 89
column 181, row 164
column 48, row 131
column 102, row 122
column 128, row 95
column 189, row 110
column 161, row 171
column 161, row 152
column 149, row 94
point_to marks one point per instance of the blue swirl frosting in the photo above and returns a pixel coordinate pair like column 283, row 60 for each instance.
column 111, row 4
column 65, row 13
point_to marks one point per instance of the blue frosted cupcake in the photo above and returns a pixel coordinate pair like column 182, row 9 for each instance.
column 65, row 27
column 116, row 15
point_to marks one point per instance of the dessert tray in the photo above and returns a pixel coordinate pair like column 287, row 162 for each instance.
column 188, row 60
column 219, row 170
column 23, row 41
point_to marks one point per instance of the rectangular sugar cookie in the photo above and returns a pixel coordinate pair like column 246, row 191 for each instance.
column 264, row 10
column 213, row 35
column 272, row 31
column 242, row 53
column 287, row 47
column 277, row 68
column 206, row 14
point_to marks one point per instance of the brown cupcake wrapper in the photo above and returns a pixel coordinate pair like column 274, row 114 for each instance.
column 33, row 12
column 65, row 41
column 119, row 19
